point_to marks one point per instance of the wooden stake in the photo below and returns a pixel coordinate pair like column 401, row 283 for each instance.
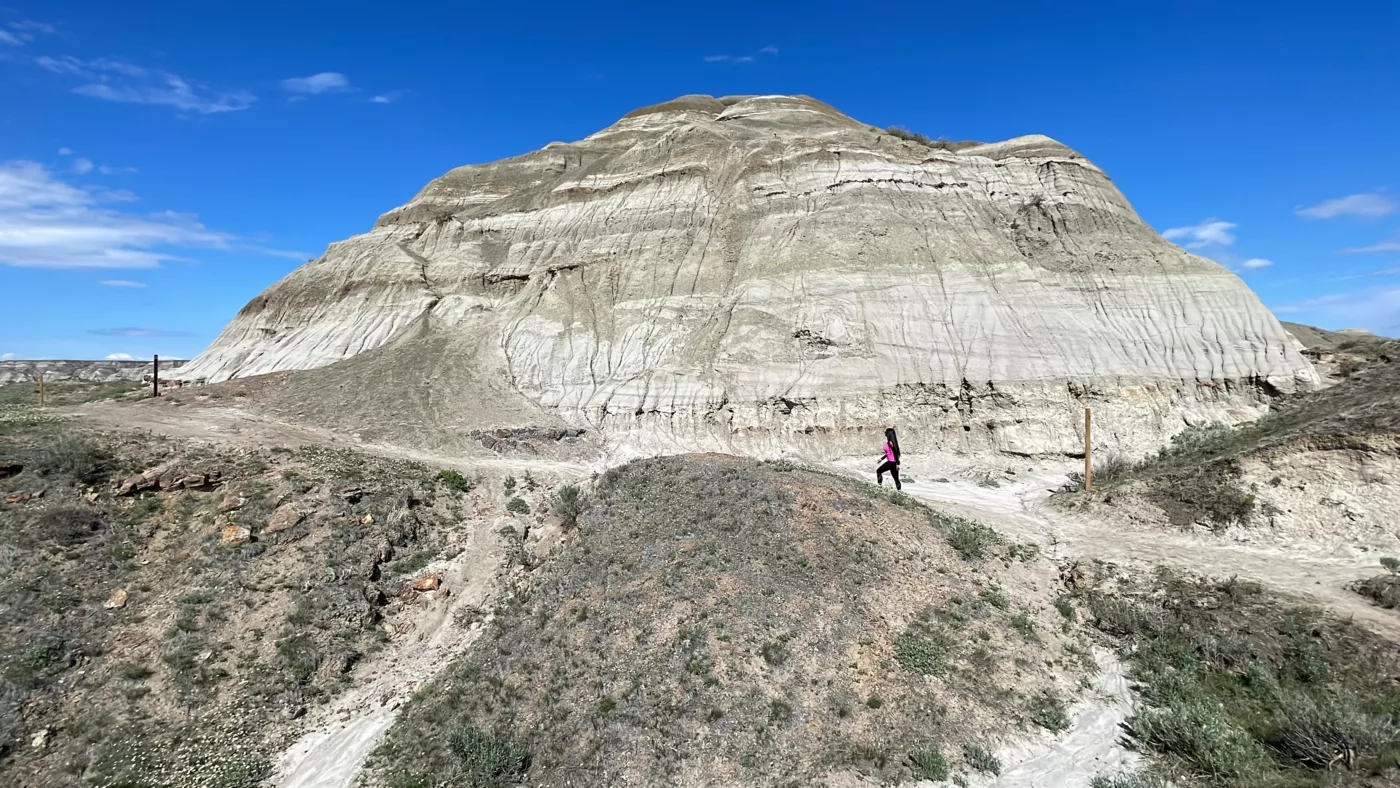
column 41, row 389
column 155, row 378
column 1088, row 454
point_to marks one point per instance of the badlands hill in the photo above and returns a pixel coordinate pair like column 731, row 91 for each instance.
column 761, row 274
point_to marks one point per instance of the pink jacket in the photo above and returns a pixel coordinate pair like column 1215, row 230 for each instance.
column 889, row 453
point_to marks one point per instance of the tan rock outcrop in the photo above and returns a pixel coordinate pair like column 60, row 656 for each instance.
column 763, row 274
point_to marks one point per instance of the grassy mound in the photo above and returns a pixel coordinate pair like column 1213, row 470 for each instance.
column 1243, row 689
column 153, row 652
column 1197, row 478
column 719, row 621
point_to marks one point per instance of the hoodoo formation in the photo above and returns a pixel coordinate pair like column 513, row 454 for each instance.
column 758, row 273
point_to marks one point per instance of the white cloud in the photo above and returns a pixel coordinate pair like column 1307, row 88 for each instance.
column 47, row 223
column 1367, row 206
column 106, row 170
column 1383, row 246
column 65, row 151
column 729, row 59
column 114, row 80
column 6, row 356
column 119, row 357
column 1256, row 262
column 1375, row 309
column 1211, row 232
column 31, row 26
column 1388, row 271
column 121, row 283
column 83, row 166
column 387, row 98
column 768, row 50
column 11, row 39
column 316, row 84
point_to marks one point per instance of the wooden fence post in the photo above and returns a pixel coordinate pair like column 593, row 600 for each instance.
column 155, row 378
column 1088, row 453
column 41, row 389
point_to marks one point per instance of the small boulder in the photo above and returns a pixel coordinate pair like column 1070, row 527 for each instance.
column 233, row 535
column 429, row 582
column 41, row 739
column 285, row 517
column 368, row 519
column 117, row 600
column 231, row 502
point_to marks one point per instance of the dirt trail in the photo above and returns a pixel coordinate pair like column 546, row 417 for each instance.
column 341, row 735
column 1019, row 509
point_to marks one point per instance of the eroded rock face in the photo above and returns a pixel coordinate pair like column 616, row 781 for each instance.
column 764, row 272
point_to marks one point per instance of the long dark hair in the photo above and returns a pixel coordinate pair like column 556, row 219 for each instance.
column 894, row 441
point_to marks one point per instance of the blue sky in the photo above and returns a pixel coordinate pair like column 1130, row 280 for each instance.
column 161, row 163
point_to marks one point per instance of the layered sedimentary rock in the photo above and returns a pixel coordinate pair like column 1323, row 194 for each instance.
column 756, row 272
column 89, row 371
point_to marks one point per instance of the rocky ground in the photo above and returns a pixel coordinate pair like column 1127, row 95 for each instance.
column 252, row 626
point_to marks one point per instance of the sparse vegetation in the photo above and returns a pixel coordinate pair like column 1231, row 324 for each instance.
column 1245, row 690
column 1048, row 711
column 971, row 539
column 725, row 600
column 569, row 503
column 454, row 480
column 517, row 506
column 929, row 764
column 981, row 759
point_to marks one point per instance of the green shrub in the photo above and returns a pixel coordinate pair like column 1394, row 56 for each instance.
column 1024, row 624
column 1391, row 563
column 1048, row 711
column 981, row 759
column 922, row 650
column 77, row 457
column 486, row 761
column 1193, row 729
column 875, row 701
column 1128, row 780
column 995, row 598
column 1322, row 733
column 517, row 506
column 569, row 503
column 971, row 539
column 929, row 764
column 1066, row 607
column 453, row 480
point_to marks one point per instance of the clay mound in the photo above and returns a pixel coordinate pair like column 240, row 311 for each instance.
column 762, row 273
column 718, row 621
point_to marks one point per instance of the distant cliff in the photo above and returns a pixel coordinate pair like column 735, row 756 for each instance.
column 92, row 371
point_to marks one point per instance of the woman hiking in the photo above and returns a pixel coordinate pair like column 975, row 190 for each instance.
column 889, row 462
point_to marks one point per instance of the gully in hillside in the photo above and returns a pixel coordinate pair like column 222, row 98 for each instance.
column 890, row 460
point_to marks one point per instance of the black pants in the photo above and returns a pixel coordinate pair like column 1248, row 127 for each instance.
column 894, row 474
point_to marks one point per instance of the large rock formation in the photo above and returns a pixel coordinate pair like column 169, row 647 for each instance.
column 760, row 272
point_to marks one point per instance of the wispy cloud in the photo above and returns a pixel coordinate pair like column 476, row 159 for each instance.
column 1211, row 232
column 83, row 166
column 121, row 283
column 768, row 50
column 1389, row 245
column 6, row 356
column 317, row 84
column 106, row 170
column 119, row 357
column 17, row 34
column 139, row 332
column 1375, row 309
column 1388, row 271
column 1366, row 206
column 1255, row 263
column 115, row 80
column 387, row 98
column 48, row 223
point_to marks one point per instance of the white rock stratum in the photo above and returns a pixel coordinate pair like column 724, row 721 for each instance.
column 761, row 274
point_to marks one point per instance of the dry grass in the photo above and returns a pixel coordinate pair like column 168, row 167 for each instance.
column 717, row 620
